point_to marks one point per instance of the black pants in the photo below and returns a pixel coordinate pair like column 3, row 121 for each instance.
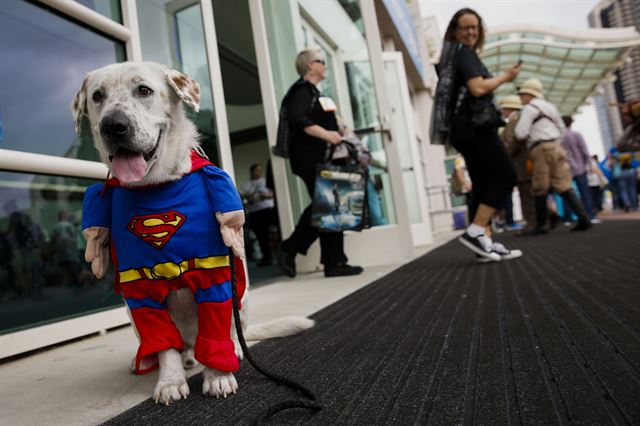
column 331, row 243
column 260, row 221
column 490, row 169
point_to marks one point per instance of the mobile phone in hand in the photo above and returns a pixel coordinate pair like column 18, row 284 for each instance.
column 520, row 61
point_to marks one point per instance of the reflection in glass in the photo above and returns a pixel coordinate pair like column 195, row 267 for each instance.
column 108, row 8
column 364, row 110
column 399, row 118
column 43, row 275
column 44, row 60
column 379, row 188
column 172, row 33
column 362, row 92
column 328, row 85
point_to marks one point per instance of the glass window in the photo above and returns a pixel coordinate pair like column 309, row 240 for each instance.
column 328, row 86
column 43, row 275
column 44, row 60
column 172, row 33
column 108, row 8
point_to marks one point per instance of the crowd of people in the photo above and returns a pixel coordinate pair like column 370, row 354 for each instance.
column 521, row 141
column 529, row 146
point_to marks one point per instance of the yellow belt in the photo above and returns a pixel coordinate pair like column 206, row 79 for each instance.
column 171, row 270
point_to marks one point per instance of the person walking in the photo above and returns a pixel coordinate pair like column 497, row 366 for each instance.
column 597, row 182
column 579, row 160
column 260, row 209
column 490, row 168
column 511, row 106
column 623, row 169
column 312, row 127
column 542, row 128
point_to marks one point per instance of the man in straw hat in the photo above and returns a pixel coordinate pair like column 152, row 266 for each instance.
column 511, row 106
column 541, row 126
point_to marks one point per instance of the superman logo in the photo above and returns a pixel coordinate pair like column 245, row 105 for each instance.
column 156, row 229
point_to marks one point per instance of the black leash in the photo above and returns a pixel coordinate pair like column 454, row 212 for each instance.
column 312, row 403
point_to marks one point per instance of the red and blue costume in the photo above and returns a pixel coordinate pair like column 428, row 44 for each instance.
column 164, row 238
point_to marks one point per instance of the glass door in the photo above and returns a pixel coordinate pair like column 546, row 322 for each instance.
column 290, row 27
column 248, row 136
column 407, row 143
column 172, row 33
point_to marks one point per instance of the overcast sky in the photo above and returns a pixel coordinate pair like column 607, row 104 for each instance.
column 566, row 14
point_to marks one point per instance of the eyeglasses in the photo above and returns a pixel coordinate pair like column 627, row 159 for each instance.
column 469, row 28
column 320, row 61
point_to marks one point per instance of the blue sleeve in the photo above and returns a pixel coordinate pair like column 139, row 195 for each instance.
column 96, row 207
column 223, row 194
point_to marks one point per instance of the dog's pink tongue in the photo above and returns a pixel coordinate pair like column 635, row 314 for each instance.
column 128, row 166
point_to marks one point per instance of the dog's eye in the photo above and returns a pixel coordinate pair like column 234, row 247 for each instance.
column 144, row 91
column 97, row 96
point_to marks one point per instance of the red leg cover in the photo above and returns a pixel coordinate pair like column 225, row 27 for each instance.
column 214, row 347
column 157, row 333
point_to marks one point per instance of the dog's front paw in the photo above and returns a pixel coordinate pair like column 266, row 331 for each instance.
column 170, row 389
column 218, row 383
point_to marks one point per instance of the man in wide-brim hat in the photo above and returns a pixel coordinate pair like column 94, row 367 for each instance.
column 541, row 127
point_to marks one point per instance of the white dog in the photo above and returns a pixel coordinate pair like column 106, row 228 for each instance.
column 142, row 134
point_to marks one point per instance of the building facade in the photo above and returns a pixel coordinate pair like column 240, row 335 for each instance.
column 625, row 86
column 242, row 54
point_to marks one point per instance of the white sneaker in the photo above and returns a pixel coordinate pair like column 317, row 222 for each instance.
column 502, row 251
column 505, row 253
column 596, row 221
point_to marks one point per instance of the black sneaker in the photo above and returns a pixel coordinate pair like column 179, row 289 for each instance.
column 286, row 262
column 342, row 270
column 480, row 245
column 554, row 221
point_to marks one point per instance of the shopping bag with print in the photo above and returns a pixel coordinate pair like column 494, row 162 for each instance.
column 340, row 197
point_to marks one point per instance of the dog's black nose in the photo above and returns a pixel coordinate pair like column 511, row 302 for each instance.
column 116, row 127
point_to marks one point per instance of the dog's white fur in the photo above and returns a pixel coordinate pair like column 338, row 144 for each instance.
column 163, row 132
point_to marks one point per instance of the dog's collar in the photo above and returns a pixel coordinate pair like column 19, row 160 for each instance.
column 197, row 162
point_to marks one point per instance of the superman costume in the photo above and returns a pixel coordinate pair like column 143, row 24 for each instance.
column 164, row 238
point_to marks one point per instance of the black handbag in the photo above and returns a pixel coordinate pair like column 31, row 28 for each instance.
column 340, row 200
column 485, row 114
column 447, row 100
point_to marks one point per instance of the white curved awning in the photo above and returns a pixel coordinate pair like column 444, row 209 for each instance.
column 570, row 63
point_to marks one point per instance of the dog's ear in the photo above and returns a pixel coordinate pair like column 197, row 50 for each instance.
column 185, row 87
column 79, row 105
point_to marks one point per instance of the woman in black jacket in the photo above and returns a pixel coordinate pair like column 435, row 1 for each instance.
column 312, row 127
column 490, row 168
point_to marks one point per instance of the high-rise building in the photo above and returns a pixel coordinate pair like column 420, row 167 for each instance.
column 625, row 84
column 606, row 132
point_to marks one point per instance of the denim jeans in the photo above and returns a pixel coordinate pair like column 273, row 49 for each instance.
column 626, row 188
column 585, row 193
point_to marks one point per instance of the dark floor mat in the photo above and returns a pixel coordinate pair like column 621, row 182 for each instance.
column 552, row 337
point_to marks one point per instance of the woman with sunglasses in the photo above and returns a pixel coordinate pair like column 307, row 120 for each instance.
column 312, row 125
